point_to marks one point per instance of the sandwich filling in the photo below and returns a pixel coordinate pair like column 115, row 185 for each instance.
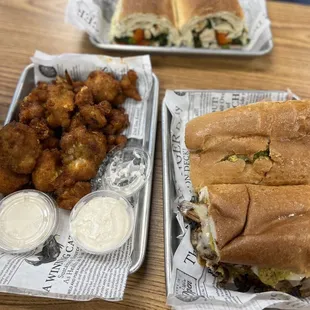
column 221, row 30
column 257, row 156
column 144, row 29
column 241, row 277
column 155, row 35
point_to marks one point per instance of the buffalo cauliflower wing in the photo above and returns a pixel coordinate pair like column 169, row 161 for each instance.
column 128, row 85
column 95, row 116
column 11, row 181
column 82, row 152
column 103, row 86
column 47, row 170
column 59, row 105
column 84, row 97
column 69, row 195
column 19, row 147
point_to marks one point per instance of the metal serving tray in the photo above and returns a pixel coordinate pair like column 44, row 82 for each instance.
column 140, row 234
column 266, row 48
column 171, row 226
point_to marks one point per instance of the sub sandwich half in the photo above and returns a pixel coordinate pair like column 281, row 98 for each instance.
column 254, row 236
column 144, row 22
column 211, row 24
column 264, row 143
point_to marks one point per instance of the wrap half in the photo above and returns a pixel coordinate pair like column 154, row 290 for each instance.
column 264, row 143
column 211, row 24
column 259, row 235
column 144, row 22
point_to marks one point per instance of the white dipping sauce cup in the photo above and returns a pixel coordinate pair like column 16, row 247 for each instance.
column 101, row 222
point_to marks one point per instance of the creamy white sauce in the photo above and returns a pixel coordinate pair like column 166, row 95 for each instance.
column 26, row 220
column 102, row 224
column 204, row 195
column 202, row 212
column 204, row 237
column 207, row 237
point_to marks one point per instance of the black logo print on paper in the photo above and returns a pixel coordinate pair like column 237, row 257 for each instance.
column 180, row 93
column 49, row 72
column 49, row 253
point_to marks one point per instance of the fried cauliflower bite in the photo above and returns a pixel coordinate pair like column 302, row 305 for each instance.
column 121, row 140
column 77, row 85
column 106, row 108
column 47, row 170
column 118, row 121
column 32, row 105
column 50, row 143
column 19, row 148
column 76, row 121
column 30, row 110
column 39, row 93
column 11, row 181
column 111, row 139
column 128, row 85
column 68, row 196
column 84, row 97
column 103, row 86
column 119, row 99
column 59, row 105
column 40, row 126
column 82, row 153
column 116, row 141
column 95, row 115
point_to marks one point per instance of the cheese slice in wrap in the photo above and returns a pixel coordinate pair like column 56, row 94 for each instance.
column 211, row 24
column 265, row 143
column 254, row 235
column 144, row 22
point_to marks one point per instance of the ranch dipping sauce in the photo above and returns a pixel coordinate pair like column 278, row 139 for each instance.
column 27, row 219
column 101, row 222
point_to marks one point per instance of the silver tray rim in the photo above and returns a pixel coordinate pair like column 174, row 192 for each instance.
column 153, row 101
column 182, row 50
column 168, row 170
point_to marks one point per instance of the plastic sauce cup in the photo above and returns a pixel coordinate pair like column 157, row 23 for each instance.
column 27, row 219
column 101, row 222
column 127, row 171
